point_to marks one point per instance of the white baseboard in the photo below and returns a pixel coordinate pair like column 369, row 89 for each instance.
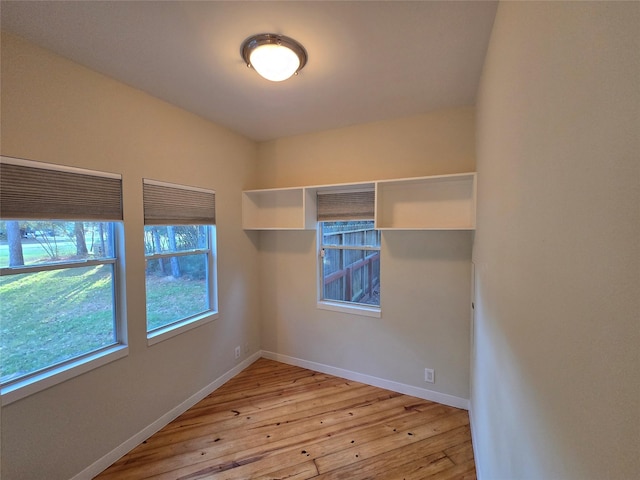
column 474, row 442
column 423, row 393
column 115, row 454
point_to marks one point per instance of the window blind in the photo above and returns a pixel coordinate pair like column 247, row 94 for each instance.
column 337, row 206
column 170, row 204
column 33, row 190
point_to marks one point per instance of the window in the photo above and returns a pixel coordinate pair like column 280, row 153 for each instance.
column 180, row 247
column 350, row 259
column 60, row 280
column 349, row 253
column 177, row 273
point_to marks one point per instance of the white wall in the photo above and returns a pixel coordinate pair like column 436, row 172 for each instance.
column 555, row 382
column 425, row 285
column 56, row 111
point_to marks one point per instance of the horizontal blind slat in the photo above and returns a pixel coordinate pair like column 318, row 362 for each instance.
column 32, row 193
column 172, row 205
column 346, row 206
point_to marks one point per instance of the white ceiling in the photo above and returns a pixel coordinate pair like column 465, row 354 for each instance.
column 368, row 61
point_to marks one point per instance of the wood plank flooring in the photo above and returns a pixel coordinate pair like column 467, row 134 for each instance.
column 276, row 421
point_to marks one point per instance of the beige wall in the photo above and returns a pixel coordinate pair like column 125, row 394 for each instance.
column 425, row 286
column 428, row 144
column 556, row 388
column 56, row 111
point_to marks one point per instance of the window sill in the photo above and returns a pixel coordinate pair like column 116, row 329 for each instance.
column 354, row 309
column 34, row 384
column 174, row 329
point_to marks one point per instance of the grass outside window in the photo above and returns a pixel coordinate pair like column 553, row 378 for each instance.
column 180, row 274
column 57, row 294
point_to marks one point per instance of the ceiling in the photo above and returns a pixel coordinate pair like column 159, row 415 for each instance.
column 368, row 60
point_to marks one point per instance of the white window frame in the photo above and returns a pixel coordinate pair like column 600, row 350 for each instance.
column 182, row 325
column 57, row 373
column 336, row 305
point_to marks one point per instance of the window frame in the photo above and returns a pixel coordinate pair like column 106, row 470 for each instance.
column 54, row 374
column 170, row 330
column 339, row 305
column 171, row 204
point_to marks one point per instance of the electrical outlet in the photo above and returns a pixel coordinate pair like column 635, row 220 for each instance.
column 237, row 352
column 429, row 375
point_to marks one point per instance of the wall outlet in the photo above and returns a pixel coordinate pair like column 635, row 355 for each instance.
column 429, row 375
column 237, row 352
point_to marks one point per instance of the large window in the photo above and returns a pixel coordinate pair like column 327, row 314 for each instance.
column 349, row 252
column 57, row 287
column 180, row 254
column 60, row 280
column 350, row 262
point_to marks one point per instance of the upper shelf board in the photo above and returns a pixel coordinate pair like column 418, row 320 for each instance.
column 442, row 202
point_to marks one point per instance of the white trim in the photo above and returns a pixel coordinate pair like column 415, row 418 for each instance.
column 354, row 308
column 174, row 329
column 148, row 181
column 423, row 393
column 335, row 187
column 114, row 455
column 332, row 190
column 170, row 331
column 273, row 190
column 344, row 186
column 368, row 248
column 474, row 443
column 124, row 448
column 63, row 265
column 278, row 229
column 364, row 186
column 178, row 253
column 443, row 177
column 50, row 377
column 441, row 229
column 60, row 168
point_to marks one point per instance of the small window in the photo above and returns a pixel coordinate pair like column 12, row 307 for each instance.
column 350, row 262
column 180, row 254
column 349, row 251
column 179, row 261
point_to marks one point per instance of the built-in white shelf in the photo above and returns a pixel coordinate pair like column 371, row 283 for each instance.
column 278, row 209
column 443, row 202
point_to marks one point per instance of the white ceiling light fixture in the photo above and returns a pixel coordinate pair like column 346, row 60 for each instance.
column 275, row 57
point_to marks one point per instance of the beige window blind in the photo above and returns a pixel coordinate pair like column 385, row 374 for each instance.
column 170, row 204
column 351, row 205
column 33, row 190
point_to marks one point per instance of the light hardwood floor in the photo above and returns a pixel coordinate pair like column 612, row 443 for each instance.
column 276, row 421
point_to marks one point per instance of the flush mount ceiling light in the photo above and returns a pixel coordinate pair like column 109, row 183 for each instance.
column 275, row 57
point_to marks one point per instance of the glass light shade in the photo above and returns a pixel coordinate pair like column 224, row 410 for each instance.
column 274, row 62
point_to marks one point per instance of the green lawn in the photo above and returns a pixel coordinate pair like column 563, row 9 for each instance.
column 52, row 316
column 170, row 299
column 33, row 252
